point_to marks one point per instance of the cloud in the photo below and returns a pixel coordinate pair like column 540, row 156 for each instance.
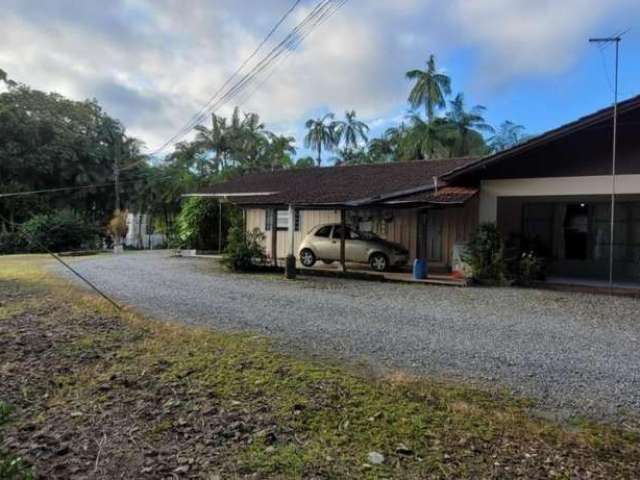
column 154, row 63
column 518, row 37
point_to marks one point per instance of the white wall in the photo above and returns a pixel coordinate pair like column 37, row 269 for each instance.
column 490, row 190
column 137, row 224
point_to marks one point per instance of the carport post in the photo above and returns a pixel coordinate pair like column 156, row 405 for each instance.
column 343, row 223
column 274, row 236
column 292, row 215
column 290, row 264
column 219, row 226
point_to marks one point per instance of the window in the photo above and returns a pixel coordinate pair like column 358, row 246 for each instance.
column 268, row 219
column 337, row 232
column 297, row 221
column 324, row 232
column 282, row 219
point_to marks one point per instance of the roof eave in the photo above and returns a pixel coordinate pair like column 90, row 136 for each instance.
column 544, row 138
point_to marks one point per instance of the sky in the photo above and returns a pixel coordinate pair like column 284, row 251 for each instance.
column 154, row 63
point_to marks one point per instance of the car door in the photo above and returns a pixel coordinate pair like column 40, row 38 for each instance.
column 323, row 243
column 335, row 243
column 357, row 248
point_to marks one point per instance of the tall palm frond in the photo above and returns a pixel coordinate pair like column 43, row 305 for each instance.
column 320, row 134
column 430, row 88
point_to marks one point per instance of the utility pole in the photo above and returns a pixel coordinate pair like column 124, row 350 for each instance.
column 616, row 40
column 116, row 168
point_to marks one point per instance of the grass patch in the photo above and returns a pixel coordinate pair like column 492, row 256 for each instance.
column 114, row 394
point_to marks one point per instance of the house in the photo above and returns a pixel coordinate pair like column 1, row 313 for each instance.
column 397, row 201
column 551, row 194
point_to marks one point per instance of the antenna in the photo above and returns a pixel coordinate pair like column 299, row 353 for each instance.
column 616, row 40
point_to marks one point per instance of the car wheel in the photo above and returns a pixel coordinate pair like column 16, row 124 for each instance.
column 378, row 262
column 307, row 258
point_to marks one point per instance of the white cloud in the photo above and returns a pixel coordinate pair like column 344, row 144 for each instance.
column 153, row 63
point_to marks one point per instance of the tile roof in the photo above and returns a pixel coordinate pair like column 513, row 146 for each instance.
column 447, row 195
column 359, row 184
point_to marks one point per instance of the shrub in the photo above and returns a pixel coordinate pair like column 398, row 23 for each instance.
column 244, row 250
column 197, row 224
column 117, row 227
column 530, row 268
column 485, row 255
column 12, row 242
column 59, row 231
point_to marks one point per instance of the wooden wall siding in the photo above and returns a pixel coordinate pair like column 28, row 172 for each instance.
column 308, row 220
column 458, row 222
column 457, row 225
column 403, row 229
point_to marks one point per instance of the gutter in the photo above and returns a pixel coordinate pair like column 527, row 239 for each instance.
column 386, row 196
column 228, row 195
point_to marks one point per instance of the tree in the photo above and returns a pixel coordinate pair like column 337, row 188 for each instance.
column 350, row 131
column 424, row 140
column 48, row 141
column 281, row 149
column 305, row 162
column 382, row 150
column 6, row 80
column 430, row 88
column 350, row 156
column 508, row 135
column 320, row 134
column 214, row 139
column 466, row 124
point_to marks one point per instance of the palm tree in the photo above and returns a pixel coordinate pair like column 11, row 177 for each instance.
column 320, row 135
column 466, row 123
column 281, row 149
column 351, row 131
column 382, row 150
column 430, row 88
column 509, row 134
column 424, row 140
column 214, row 139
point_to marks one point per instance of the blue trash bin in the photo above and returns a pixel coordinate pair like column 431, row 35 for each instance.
column 419, row 269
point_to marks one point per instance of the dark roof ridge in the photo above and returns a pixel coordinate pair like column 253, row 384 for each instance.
column 364, row 165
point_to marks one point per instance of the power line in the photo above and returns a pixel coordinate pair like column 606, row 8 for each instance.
column 289, row 44
column 214, row 104
column 288, row 53
column 236, row 72
column 30, row 239
column 320, row 12
column 77, row 187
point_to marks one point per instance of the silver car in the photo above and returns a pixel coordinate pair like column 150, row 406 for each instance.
column 323, row 243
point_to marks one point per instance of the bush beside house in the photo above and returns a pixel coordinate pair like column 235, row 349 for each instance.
column 244, row 250
column 488, row 263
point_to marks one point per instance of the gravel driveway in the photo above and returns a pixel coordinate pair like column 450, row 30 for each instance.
column 576, row 353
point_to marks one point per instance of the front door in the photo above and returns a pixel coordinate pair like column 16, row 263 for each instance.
column 429, row 243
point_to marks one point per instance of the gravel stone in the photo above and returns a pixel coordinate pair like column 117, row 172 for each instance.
column 574, row 353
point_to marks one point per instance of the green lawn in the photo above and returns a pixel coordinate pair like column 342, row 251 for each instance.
column 107, row 394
